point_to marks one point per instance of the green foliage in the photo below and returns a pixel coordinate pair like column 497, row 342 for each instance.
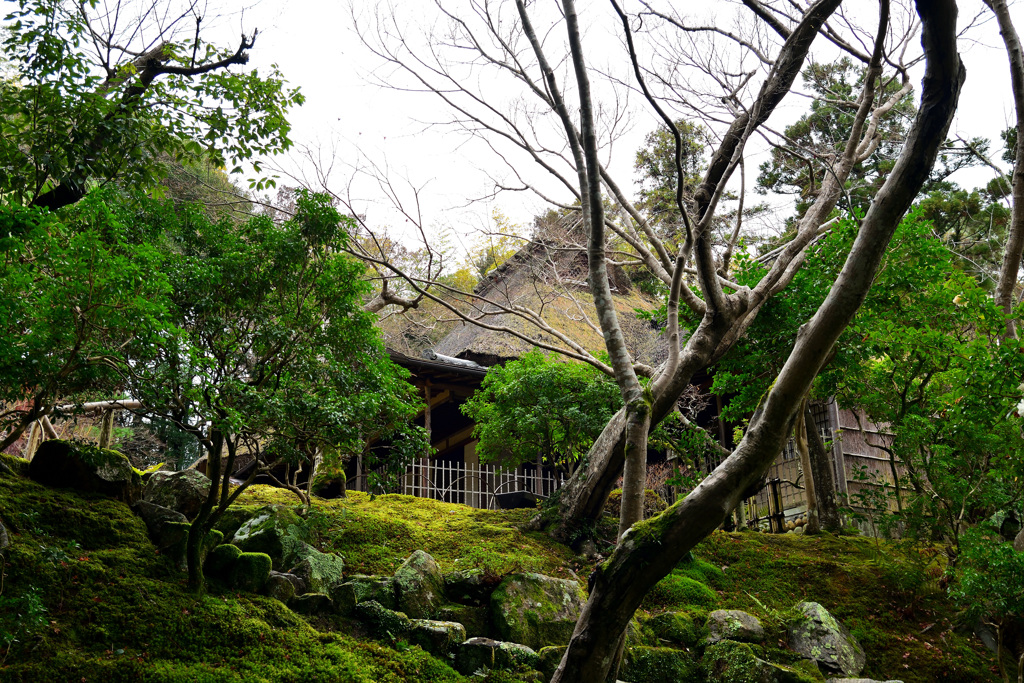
column 75, row 292
column 656, row 165
column 538, row 405
column 79, row 113
column 269, row 341
column 824, row 130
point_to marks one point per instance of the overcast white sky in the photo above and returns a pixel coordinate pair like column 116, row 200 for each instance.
column 313, row 44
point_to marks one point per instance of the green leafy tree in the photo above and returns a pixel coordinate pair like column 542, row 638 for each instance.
column 93, row 102
column 538, row 406
column 924, row 357
column 269, row 348
column 76, row 291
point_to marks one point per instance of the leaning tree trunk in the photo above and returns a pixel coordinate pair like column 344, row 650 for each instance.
column 651, row 549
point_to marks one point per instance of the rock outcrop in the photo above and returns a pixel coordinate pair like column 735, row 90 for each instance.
column 182, row 492
column 731, row 624
column 419, row 586
column 819, row 636
column 63, row 464
column 536, row 610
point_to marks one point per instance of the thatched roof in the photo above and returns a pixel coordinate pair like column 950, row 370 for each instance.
column 551, row 280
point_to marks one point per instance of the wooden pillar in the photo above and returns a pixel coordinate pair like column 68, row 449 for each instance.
column 106, row 427
column 473, row 485
column 538, row 480
column 32, row 441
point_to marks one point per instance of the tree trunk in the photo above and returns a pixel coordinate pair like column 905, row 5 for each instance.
column 634, row 476
column 829, row 518
column 1015, row 240
column 803, row 425
column 651, row 549
column 202, row 523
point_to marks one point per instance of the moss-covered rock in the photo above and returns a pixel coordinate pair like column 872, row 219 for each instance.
column 536, row 610
column 358, row 588
column 182, row 491
column 221, row 561
column 250, row 572
column 730, row 662
column 156, row 518
column 732, row 624
column 13, row 465
column 321, row 571
column 280, row 587
column 176, row 534
column 419, row 586
column 439, row 638
column 275, row 530
column 679, row 591
column 381, row 620
column 477, row 620
column 312, row 604
column 548, row 659
column 65, row 464
column 480, row 653
column 659, row 665
column 818, row 636
column 679, row 628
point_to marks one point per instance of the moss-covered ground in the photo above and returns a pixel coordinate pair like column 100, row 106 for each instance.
column 85, row 596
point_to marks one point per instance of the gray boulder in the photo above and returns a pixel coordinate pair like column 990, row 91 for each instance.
column 312, row 604
column 321, row 572
column 62, row 464
column 732, row 624
column 274, row 530
column 730, row 662
column 381, row 620
column 536, row 610
column 182, row 491
column 475, row 619
column 439, row 638
column 479, row 653
column 156, row 518
column 5, row 540
column 419, row 586
column 358, row 588
column 280, row 587
column 819, row 636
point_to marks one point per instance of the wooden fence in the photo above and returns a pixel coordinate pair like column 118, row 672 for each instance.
column 469, row 484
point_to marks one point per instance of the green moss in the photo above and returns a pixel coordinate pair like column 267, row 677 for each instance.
column 220, row 561
column 250, row 571
column 679, row 592
column 660, row 665
column 375, row 536
column 17, row 466
column 119, row 611
column 680, row 628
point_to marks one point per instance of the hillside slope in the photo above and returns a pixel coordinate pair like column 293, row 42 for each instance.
column 86, row 597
